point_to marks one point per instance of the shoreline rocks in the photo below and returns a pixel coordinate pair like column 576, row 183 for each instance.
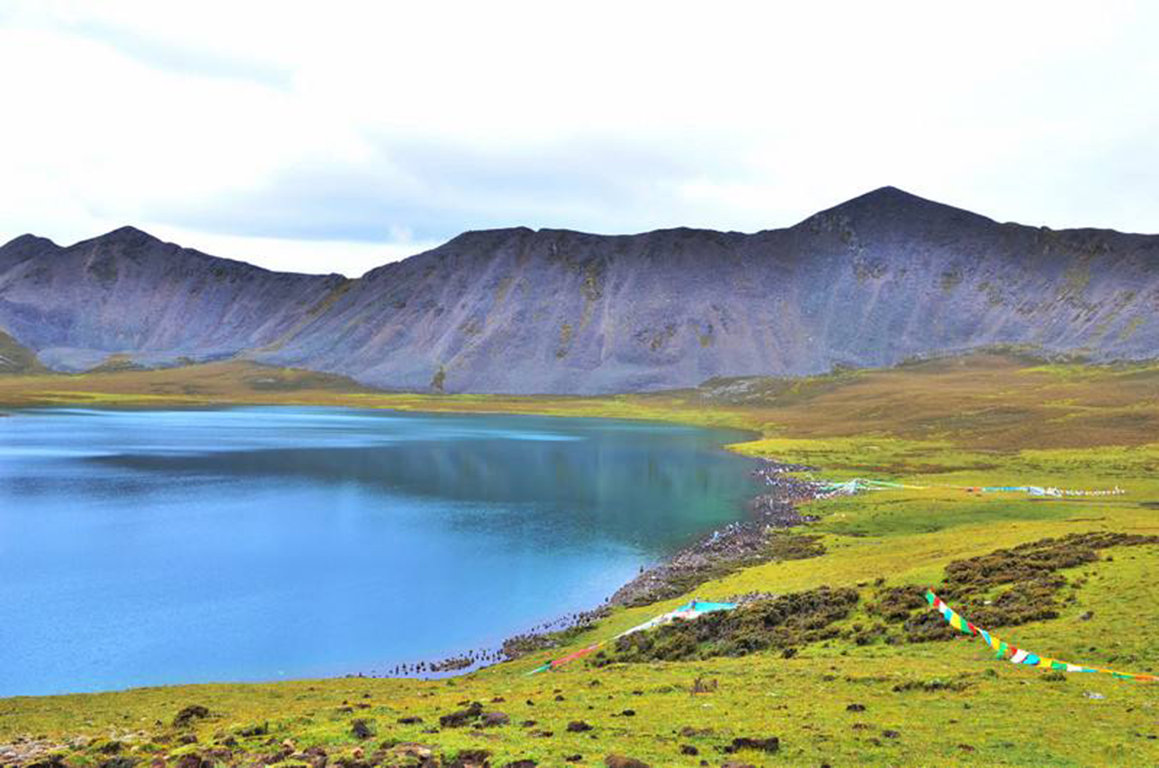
column 736, row 545
column 739, row 544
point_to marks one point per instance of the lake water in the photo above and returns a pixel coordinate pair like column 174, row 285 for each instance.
column 150, row 547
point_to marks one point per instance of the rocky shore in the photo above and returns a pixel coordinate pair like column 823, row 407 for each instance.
column 759, row 538
column 743, row 543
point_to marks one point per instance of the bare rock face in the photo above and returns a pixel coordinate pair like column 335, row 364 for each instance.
column 873, row 281
column 129, row 293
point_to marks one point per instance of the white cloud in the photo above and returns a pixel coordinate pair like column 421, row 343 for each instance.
column 310, row 256
column 319, row 136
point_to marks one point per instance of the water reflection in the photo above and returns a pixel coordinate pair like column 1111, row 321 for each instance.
column 255, row 543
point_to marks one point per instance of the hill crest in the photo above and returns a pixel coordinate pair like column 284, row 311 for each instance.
column 877, row 279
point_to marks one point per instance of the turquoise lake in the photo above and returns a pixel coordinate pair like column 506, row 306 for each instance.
column 266, row 543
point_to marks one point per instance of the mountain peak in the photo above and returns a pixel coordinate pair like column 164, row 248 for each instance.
column 23, row 248
column 27, row 241
column 892, row 206
column 885, row 199
column 127, row 234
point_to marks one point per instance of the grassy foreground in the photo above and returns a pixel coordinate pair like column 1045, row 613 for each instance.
column 977, row 420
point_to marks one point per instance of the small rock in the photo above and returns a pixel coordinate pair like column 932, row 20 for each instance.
column 413, row 749
column 189, row 714
column 221, row 756
column 1093, row 695
column 494, row 719
column 119, row 762
column 255, row 730
column 521, row 764
column 462, row 717
column 688, row 749
column 361, row 730
column 578, row 726
column 1087, row 616
column 628, row 713
column 770, row 744
column 573, row 758
column 410, row 720
column 193, row 761
column 469, row 757
column 891, row 734
column 855, row 708
column 689, row 732
column 316, row 756
column 619, row 761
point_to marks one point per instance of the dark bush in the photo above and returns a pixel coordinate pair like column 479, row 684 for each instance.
column 780, row 623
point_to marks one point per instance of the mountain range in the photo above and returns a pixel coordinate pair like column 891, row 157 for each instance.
column 876, row 280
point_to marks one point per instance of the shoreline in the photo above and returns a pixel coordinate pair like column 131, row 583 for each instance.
column 740, row 544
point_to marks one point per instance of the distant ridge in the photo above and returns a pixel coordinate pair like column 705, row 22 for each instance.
column 877, row 279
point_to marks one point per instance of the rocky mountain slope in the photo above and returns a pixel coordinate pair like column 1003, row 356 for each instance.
column 873, row 281
column 129, row 295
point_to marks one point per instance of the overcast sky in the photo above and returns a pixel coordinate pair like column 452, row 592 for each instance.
column 337, row 136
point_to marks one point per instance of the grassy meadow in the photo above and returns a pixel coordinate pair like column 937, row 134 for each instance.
column 869, row 691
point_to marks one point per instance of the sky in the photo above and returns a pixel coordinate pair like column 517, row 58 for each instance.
column 337, row 136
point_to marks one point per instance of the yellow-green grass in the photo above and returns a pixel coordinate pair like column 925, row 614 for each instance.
column 981, row 420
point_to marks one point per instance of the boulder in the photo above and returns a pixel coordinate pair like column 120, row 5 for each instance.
column 186, row 716
column 361, row 729
column 619, row 761
column 493, row 719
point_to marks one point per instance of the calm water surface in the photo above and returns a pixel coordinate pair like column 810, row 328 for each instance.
column 148, row 547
